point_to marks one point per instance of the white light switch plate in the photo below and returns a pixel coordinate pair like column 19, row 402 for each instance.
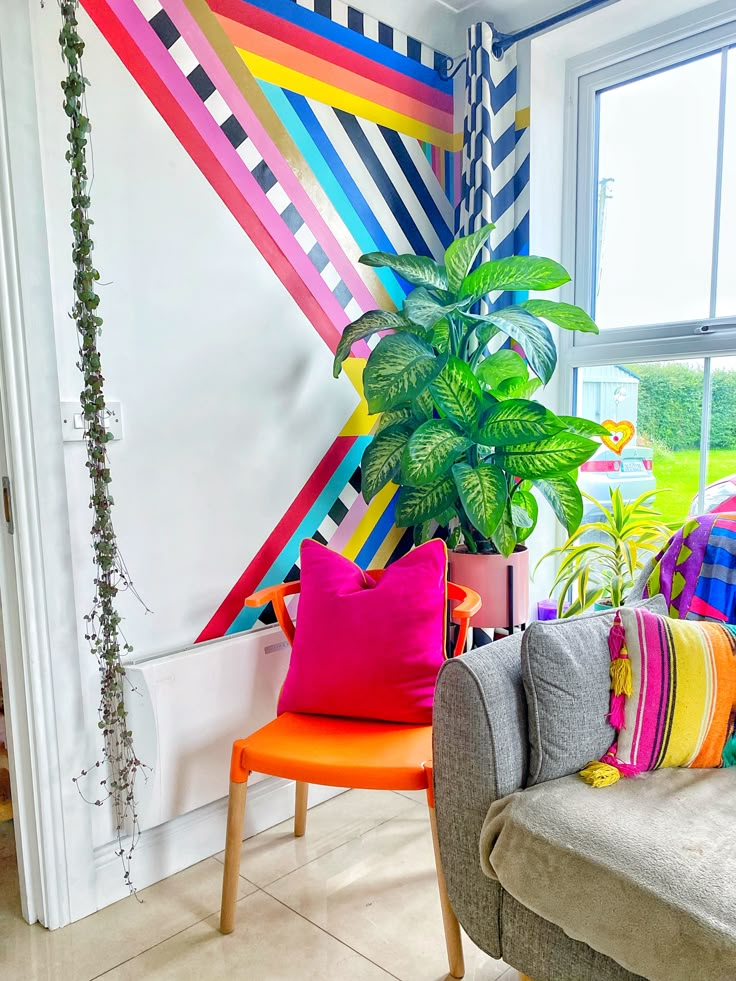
column 72, row 421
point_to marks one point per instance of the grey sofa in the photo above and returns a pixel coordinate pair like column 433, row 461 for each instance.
column 481, row 760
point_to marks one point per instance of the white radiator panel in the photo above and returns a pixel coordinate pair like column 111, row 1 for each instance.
column 187, row 708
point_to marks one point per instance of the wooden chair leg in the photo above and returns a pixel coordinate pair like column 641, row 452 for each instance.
column 233, row 843
column 300, row 811
column 524, row 977
column 453, row 938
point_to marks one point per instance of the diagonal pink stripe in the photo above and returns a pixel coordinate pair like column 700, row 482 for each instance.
column 348, row 524
column 170, row 73
column 228, row 89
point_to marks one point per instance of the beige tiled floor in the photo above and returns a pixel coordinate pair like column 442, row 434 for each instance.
column 355, row 899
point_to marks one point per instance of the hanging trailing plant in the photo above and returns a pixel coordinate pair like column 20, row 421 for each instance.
column 118, row 761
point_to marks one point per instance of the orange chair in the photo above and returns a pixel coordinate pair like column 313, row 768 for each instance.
column 338, row 752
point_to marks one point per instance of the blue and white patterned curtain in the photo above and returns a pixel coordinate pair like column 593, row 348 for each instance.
column 495, row 172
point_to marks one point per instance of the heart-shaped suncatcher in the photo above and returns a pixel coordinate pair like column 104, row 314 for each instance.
column 621, row 434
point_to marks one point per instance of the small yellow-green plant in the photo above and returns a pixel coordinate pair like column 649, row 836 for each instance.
column 601, row 560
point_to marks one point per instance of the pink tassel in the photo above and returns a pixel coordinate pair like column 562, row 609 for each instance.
column 625, row 769
column 617, row 715
column 616, row 637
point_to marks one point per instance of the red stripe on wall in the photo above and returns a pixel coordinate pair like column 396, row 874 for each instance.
column 182, row 127
column 277, row 540
column 307, row 63
column 266, row 23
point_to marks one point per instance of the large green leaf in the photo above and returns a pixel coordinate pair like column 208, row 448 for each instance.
column 533, row 335
column 419, row 270
column 517, row 272
column 382, row 459
column 484, row 332
column 423, row 404
column 517, row 388
column 418, row 504
column 398, row 369
column 563, row 496
column 367, row 325
column 499, row 366
column 440, row 336
column 483, row 494
column 457, row 393
column 421, row 307
column 565, row 315
column 583, row 427
column 554, row 455
column 518, row 421
column 431, row 451
column 521, row 517
column 505, row 535
column 399, row 416
column 461, row 255
column 526, row 501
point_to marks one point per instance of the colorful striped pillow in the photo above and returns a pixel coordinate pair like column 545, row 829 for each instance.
column 673, row 696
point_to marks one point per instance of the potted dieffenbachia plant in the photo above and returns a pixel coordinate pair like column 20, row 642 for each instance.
column 460, row 431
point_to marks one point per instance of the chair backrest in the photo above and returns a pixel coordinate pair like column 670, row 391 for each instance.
column 469, row 602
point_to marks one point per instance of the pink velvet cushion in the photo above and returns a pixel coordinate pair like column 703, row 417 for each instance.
column 364, row 648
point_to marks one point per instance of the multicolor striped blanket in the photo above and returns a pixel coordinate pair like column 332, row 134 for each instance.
column 696, row 570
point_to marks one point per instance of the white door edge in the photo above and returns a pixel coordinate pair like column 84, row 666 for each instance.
column 42, row 667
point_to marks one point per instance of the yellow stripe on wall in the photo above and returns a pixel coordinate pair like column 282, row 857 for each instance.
column 361, row 422
column 386, row 550
column 269, row 71
column 369, row 521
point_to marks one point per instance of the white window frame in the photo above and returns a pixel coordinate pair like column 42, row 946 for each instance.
column 681, row 40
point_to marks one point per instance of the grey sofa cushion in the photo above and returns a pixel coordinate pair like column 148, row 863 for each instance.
column 565, row 667
column 643, row 871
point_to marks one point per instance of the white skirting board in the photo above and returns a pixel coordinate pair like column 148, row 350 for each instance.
column 193, row 837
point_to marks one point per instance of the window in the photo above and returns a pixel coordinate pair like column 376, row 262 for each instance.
column 656, row 265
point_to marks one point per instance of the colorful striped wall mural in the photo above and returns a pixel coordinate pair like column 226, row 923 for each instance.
column 326, row 134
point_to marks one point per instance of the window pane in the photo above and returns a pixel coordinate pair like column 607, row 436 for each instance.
column 663, row 403
column 726, row 302
column 720, row 492
column 656, row 196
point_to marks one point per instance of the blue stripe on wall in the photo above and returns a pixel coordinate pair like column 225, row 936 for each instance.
column 316, row 148
column 358, row 43
column 383, row 182
column 377, row 536
column 397, row 147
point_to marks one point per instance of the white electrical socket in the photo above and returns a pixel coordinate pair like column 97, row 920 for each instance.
column 72, row 421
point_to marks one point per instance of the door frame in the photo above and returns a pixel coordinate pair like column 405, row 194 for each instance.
column 49, row 740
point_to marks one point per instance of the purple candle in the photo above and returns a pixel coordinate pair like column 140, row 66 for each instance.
column 547, row 609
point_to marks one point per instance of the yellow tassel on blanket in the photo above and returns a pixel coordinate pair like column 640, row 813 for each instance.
column 621, row 678
column 599, row 774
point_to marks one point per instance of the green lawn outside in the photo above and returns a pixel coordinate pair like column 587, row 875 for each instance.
column 679, row 473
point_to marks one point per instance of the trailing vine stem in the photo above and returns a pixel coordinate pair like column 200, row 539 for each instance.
column 118, row 762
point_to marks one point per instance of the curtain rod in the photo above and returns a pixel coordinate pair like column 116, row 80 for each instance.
column 447, row 68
